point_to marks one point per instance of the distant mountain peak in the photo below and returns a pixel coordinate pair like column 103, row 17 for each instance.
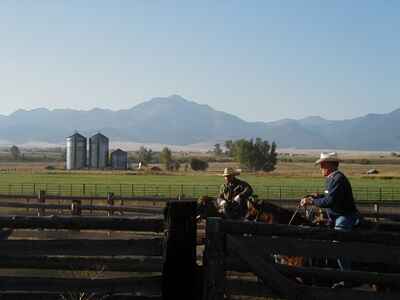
column 313, row 118
column 27, row 111
column 175, row 120
column 177, row 97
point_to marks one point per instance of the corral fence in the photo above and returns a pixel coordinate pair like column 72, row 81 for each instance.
column 155, row 258
column 147, row 259
column 188, row 190
column 239, row 261
column 43, row 204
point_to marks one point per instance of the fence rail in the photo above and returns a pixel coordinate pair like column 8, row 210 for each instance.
column 187, row 190
column 233, row 246
column 147, row 254
column 150, row 205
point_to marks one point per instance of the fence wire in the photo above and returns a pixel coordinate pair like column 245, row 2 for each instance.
column 185, row 190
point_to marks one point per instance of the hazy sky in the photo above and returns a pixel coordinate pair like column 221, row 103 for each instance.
column 261, row 60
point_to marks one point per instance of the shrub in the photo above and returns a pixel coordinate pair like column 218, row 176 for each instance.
column 198, row 164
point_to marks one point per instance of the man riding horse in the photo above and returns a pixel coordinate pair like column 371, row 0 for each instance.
column 233, row 195
column 338, row 200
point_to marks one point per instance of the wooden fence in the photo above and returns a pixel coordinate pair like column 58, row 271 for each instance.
column 78, row 205
column 189, row 190
column 140, row 266
column 152, row 205
column 246, row 248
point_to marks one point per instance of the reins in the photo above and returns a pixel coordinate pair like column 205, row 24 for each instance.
column 294, row 214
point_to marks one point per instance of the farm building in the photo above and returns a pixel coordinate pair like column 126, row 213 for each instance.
column 98, row 151
column 119, row 160
column 76, row 152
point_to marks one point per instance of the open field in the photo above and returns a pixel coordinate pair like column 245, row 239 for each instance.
column 286, row 173
column 290, row 179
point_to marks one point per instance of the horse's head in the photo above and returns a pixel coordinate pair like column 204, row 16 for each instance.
column 207, row 207
column 274, row 214
column 255, row 212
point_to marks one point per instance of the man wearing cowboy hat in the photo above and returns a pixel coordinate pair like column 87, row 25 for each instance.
column 337, row 199
column 233, row 195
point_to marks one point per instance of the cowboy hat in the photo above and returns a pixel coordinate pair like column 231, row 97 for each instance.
column 327, row 157
column 230, row 172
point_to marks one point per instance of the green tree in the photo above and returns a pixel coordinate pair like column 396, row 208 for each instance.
column 175, row 165
column 229, row 148
column 166, row 158
column 217, row 150
column 15, row 152
column 255, row 155
column 198, row 164
column 145, row 155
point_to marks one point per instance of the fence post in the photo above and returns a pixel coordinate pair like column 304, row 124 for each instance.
column 376, row 211
column 41, row 199
column 214, row 261
column 76, row 209
column 110, row 203
column 180, row 274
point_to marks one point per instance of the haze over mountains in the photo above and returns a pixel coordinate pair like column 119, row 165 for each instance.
column 176, row 121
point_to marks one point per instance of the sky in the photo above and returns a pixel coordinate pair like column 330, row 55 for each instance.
column 260, row 60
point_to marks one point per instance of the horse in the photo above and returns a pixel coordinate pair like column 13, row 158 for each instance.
column 261, row 212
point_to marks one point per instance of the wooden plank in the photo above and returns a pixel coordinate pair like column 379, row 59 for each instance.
column 358, row 277
column 345, row 294
column 83, row 247
column 214, row 261
column 140, row 264
column 316, row 233
column 145, row 285
column 373, row 253
column 265, row 271
column 180, row 269
column 57, row 296
column 83, row 223
column 94, row 198
column 132, row 297
column 136, row 209
column 116, row 197
column 248, row 288
column 34, row 205
column 257, row 289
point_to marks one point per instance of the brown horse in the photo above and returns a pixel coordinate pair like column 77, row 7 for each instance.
column 261, row 212
column 269, row 213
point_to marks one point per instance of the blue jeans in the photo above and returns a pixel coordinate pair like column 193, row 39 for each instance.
column 345, row 223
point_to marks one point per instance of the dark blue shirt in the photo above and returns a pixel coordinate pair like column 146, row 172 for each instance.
column 338, row 197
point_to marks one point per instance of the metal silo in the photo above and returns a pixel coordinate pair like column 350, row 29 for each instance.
column 76, row 152
column 98, row 151
column 119, row 159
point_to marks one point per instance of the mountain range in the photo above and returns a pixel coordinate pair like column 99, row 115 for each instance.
column 176, row 121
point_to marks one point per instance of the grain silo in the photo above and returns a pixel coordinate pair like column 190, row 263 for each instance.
column 119, row 160
column 76, row 152
column 98, row 151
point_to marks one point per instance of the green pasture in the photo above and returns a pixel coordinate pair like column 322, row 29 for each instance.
column 190, row 185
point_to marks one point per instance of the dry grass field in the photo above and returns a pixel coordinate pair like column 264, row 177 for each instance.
column 295, row 171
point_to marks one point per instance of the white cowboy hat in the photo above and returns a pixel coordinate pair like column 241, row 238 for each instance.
column 230, row 172
column 333, row 156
